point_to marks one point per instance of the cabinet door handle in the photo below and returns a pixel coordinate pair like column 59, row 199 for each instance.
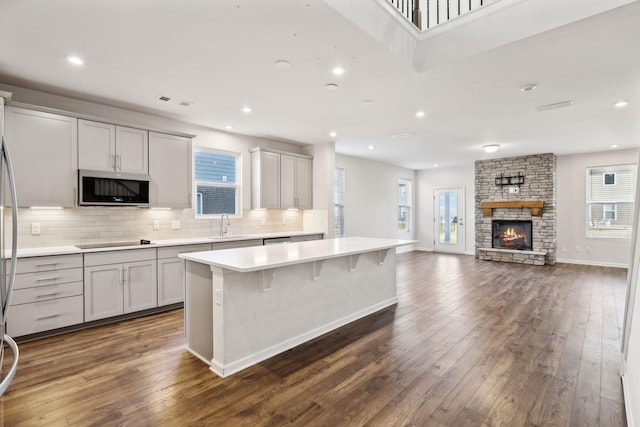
column 113, row 161
column 119, row 162
column 47, row 265
column 47, row 278
column 48, row 294
column 125, row 272
column 50, row 316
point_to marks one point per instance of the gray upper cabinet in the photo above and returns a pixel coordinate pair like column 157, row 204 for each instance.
column 44, row 153
column 280, row 180
column 107, row 147
column 170, row 170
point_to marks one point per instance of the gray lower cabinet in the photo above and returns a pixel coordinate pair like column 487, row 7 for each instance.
column 119, row 282
column 171, row 272
column 47, row 294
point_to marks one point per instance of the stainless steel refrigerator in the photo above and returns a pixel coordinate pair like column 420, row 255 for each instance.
column 7, row 261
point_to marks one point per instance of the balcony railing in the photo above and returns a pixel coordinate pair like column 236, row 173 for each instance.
column 426, row 14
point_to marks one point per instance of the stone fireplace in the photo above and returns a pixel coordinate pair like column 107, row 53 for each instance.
column 515, row 209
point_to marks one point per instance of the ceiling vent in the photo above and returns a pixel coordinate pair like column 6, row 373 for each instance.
column 556, row 106
column 164, row 98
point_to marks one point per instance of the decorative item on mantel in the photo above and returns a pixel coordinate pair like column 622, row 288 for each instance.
column 502, row 180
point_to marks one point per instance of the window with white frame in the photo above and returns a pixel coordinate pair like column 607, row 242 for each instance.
column 610, row 201
column 404, row 205
column 338, row 206
column 217, row 177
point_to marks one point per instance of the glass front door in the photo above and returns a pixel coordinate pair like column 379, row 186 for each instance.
column 449, row 224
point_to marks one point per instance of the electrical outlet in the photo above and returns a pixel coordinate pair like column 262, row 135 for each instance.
column 156, row 224
column 564, row 249
column 218, row 296
column 577, row 248
column 35, row 228
column 514, row 190
column 175, row 224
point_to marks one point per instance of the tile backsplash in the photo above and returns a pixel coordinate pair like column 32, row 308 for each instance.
column 62, row 227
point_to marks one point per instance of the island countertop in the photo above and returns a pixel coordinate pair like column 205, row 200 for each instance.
column 272, row 256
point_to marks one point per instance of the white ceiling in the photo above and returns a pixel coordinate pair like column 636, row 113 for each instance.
column 220, row 55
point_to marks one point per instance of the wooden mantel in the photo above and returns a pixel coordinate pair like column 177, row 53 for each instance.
column 535, row 205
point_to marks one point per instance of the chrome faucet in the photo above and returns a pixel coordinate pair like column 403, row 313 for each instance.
column 223, row 228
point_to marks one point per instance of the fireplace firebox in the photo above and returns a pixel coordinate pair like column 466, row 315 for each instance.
column 512, row 234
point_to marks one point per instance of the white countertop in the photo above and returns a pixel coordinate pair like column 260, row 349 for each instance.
column 265, row 257
column 64, row 250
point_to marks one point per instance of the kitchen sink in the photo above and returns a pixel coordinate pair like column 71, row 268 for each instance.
column 112, row 244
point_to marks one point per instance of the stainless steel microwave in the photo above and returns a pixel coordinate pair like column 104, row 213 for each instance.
column 98, row 188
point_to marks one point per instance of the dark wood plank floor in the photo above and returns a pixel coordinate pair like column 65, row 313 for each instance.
column 471, row 343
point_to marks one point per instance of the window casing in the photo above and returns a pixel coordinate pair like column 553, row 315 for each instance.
column 217, row 180
column 404, row 205
column 610, row 201
column 338, row 204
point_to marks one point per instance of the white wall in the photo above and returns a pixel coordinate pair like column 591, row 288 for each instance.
column 573, row 246
column 371, row 198
column 440, row 179
column 324, row 162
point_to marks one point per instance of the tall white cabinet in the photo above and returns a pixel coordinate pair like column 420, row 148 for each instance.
column 108, row 147
column 43, row 148
column 170, row 170
column 281, row 180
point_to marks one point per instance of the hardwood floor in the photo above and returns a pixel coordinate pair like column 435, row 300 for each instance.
column 471, row 343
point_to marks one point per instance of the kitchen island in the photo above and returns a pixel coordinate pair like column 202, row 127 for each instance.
column 245, row 305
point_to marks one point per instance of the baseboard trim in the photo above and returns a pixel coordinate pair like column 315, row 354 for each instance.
column 593, row 263
column 627, row 400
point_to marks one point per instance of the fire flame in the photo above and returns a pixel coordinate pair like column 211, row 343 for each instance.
column 510, row 234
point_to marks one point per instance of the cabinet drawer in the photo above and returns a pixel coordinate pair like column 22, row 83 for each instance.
column 117, row 257
column 174, row 251
column 43, row 293
column 46, row 278
column 47, row 263
column 44, row 315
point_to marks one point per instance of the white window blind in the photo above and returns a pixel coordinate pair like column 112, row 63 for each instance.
column 338, row 197
column 610, row 201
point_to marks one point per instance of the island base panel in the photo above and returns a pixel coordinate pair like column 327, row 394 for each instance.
column 262, row 313
column 199, row 316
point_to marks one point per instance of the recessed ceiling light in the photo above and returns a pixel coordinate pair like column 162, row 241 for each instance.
column 367, row 102
column 338, row 71
column 246, row 110
column 435, row 165
column 614, row 146
column 491, row 148
column 228, row 127
column 529, row 87
column 621, row 104
column 420, row 113
column 333, row 134
column 371, row 147
column 75, row 60
column 281, row 63
column 331, row 86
